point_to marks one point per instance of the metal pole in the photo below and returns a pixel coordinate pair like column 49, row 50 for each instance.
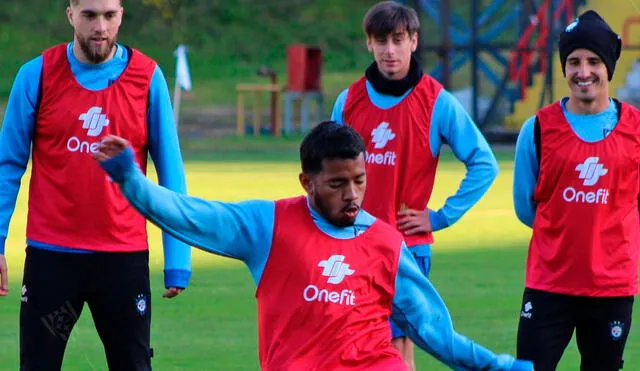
column 268, row 72
column 525, row 13
column 445, row 14
column 474, row 60
column 418, row 53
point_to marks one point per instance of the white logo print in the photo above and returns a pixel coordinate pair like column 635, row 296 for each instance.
column 590, row 170
column 94, row 120
column 381, row 135
column 526, row 313
column 23, row 297
column 335, row 269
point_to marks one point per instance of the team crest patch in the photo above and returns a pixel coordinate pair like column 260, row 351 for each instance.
column 616, row 329
column 141, row 304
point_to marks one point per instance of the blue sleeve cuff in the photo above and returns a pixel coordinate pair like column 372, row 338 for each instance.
column 438, row 220
column 176, row 278
column 2, row 242
column 520, row 365
column 120, row 165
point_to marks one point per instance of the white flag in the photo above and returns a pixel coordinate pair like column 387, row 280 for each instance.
column 183, row 77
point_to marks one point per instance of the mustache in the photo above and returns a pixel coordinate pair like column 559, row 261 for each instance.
column 585, row 79
column 350, row 205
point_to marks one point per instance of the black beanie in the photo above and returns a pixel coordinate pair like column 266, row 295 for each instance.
column 591, row 32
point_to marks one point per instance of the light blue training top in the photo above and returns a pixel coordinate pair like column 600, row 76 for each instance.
column 244, row 231
column 590, row 128
column 17, row 135
column 451, row 124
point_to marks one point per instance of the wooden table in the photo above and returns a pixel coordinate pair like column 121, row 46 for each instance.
column 255, row 90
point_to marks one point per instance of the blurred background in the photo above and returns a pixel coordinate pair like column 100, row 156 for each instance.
column 498, row 57
column 257, row 74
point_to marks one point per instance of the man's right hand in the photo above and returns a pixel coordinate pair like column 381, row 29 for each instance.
column 110, row 147
column 4, row 276
column 116, row 157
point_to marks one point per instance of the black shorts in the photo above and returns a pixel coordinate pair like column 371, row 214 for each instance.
column 547, row 322
column 55, row 288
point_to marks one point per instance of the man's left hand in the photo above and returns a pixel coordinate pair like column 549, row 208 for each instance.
column 172, row 292
column 412, row 222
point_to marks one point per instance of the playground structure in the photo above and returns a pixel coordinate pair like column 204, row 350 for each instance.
column 506, row 47
column 513, row 46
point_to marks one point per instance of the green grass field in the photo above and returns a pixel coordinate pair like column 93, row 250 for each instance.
column 478, row 269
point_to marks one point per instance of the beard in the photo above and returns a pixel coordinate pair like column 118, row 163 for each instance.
column 587, row 100
column 584, row 97
column 326, row 213
column 96, row 54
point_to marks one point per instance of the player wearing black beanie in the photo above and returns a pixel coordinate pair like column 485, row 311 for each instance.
column 577, row 165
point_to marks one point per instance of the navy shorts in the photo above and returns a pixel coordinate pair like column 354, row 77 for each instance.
column 117, row 291
column 549, row 320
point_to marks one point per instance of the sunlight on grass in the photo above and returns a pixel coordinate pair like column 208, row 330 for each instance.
column 478, row 268
column 492, row 218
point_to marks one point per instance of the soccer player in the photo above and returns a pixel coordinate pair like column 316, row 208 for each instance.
column 328, row 274
column 404, row 117
column 85, row 243
column 576, row 184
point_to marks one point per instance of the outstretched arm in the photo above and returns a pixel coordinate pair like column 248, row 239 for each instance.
column 240, row 230
column 419, row 309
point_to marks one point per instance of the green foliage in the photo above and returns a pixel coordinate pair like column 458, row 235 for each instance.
column 166, row 7
column 226, row 39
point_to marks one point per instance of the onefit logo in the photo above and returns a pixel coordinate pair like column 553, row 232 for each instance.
column 381, row 135
column 94, row 121
column 335, row 269
column 590, row 170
